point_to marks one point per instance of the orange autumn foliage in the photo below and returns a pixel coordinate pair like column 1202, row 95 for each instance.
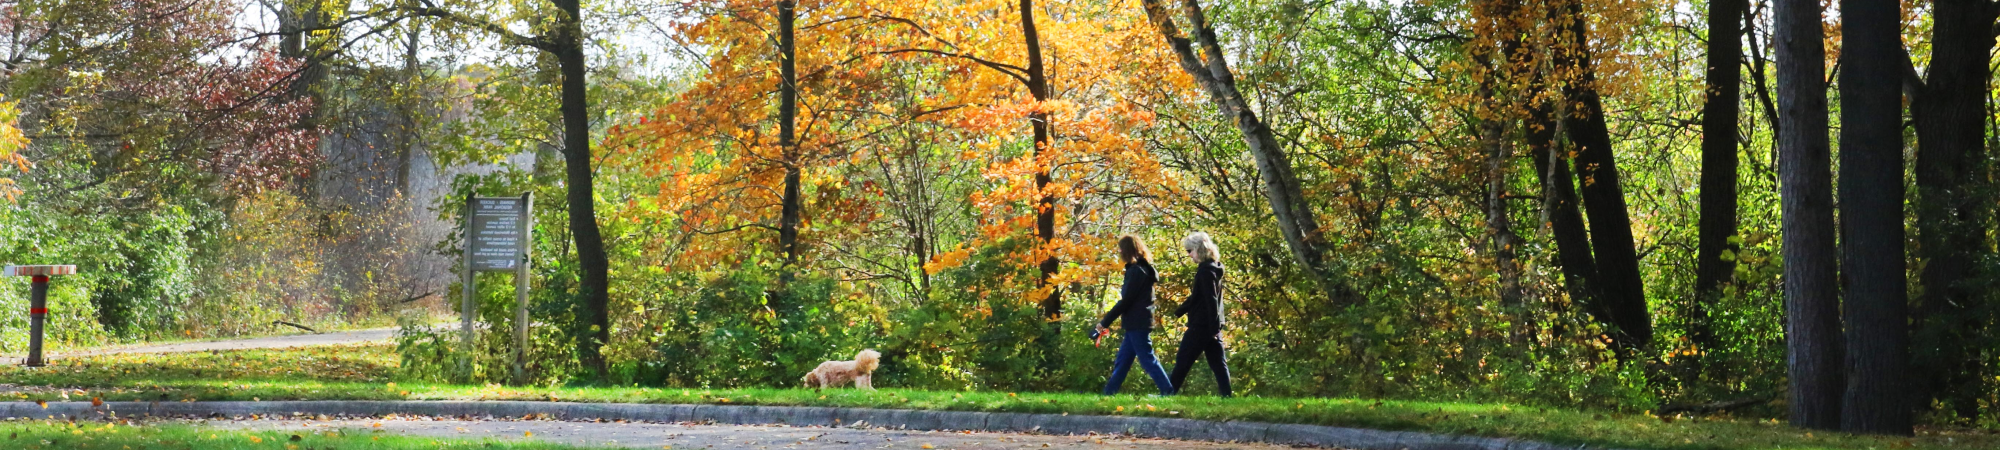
column 720, row 170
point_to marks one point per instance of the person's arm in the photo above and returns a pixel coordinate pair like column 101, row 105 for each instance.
column 1125, row 295
column 1200, row 295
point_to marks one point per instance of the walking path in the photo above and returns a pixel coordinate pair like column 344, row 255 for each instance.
column 763, row 419
column 715, row 436
column 731, row 426
column 296, row 340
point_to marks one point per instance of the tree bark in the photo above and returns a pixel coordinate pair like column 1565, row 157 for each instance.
column 1498, row 225
column 1045, row 205
column 1812, row 302
column 1949, row 109
column 593, row 285
column 1558, row 186
column 1492, row 128
column 1715, row 256
column 1871, row 219
column 1559, row 207
column 1296, row 220
column 792, row 204
column 1621, row 290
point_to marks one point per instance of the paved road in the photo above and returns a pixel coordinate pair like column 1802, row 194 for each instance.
column 743, row 437
column 295, row 340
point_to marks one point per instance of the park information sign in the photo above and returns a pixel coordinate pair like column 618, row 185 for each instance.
column 498, row 231
column 499, row 242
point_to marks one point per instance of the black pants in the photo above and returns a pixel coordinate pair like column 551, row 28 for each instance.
column 1193, row 345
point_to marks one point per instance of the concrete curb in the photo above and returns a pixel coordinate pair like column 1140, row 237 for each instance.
column 1190, row 429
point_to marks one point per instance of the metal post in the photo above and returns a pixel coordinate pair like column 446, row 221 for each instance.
column 38, row 311
column 468, row 307
column 521, row 289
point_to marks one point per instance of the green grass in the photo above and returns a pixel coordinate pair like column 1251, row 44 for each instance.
column 368, row 373
column 44, row 434
column 57, row 348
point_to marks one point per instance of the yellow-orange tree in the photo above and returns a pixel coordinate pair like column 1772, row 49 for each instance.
column 723, row 165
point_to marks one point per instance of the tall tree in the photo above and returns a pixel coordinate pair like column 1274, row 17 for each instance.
column 1805, row 174
column 792, row 211
column 1295, row 216
column 1033, row 75
column 1496, row 19
column 1560, row 210
column 1949, row 106
column 1621, row 291
column 1715, row 259
column 563, row 38
column 1045, row 204
column 1871, row 219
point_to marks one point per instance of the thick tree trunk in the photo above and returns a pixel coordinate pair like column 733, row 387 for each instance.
column 592, row 290
column 1871, row 219
column 1296, row 220
column 1621, row 290
column 1951, row 220
column 1558, row 186
column 792, row 204
column 1812, row 302
column 1045, row 205
column 1559, row 207
column 1715, row 261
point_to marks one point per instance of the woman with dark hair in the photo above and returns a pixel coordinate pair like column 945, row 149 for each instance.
column 1203, row 309
column 1135, row 306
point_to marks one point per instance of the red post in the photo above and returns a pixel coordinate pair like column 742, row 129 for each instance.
column 38, row 311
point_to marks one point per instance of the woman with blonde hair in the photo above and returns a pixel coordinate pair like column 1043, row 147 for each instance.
column 1135, row 307
column 1203, row 309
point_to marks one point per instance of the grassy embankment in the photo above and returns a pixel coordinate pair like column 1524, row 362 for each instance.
column 369, row 373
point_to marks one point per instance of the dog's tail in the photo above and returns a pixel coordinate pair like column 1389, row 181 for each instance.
column 867, row 361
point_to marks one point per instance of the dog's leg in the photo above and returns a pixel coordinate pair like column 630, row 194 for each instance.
column 865, row 381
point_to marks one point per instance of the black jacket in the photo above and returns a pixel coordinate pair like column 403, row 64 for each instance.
column 1135, row 299
column 1203, row 307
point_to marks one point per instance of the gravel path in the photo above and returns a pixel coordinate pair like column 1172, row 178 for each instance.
column 295, row 340
column 701, row 436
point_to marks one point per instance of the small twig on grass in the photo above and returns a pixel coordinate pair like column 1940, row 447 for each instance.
column 294, row 325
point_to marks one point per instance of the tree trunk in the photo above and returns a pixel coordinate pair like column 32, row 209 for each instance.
column 1812, row 302
column 1715, row 257
column 593, row 287
column 1871, row 219
column 1621, row 291
column 792, row 209
column 1558, row 186
column 1498, row 225
column 1045, row 205
column 1296, row 219
column 1559, row 208
column 1949, row 109
column 1492, row 127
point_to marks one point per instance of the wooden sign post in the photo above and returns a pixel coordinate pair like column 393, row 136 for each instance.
column 498, row 233
column 38, row 303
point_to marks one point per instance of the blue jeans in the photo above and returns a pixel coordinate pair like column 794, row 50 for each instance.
column 1139, row 345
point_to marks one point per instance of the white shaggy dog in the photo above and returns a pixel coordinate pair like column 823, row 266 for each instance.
column 836, row 373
